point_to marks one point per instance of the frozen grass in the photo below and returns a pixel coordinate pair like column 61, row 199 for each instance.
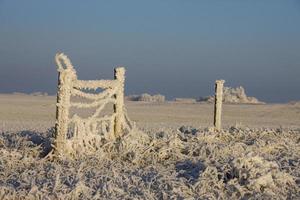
column 238, row 163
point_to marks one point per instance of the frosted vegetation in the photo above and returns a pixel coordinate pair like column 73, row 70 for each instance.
column 230, row 95
column 153, row 163
column 185, row 100
column 234, row 95
column 146, row 97
column 160, row 163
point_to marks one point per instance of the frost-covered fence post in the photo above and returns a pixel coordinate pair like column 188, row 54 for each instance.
column 66, row 76
column 218, row 103
column 76, row 134
column 119, row 105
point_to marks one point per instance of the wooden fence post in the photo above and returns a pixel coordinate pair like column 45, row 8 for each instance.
column 218, row 104
column 66, row 76
column 119, row 105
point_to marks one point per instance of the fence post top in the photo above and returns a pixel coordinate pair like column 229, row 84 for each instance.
column 220, row 81
column 120, row 70
column 119, row 73
column 63, row 62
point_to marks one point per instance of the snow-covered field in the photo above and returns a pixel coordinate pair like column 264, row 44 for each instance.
column 257, row 156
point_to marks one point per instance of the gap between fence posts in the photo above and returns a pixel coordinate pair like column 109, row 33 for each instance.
column 119, row 74
column 218, row 104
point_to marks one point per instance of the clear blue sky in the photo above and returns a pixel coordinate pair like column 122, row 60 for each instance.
column 174, row 47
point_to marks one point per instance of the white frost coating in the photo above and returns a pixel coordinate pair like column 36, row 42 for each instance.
column 89, row 133
column 94, row 104
column 66, row 77
column 218, row 103
column 119, row 105
column 104, row 94
column 92, row 84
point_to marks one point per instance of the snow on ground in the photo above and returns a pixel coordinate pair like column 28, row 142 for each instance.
column 257, row 156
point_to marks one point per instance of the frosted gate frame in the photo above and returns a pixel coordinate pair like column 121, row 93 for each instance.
column 69, row 85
